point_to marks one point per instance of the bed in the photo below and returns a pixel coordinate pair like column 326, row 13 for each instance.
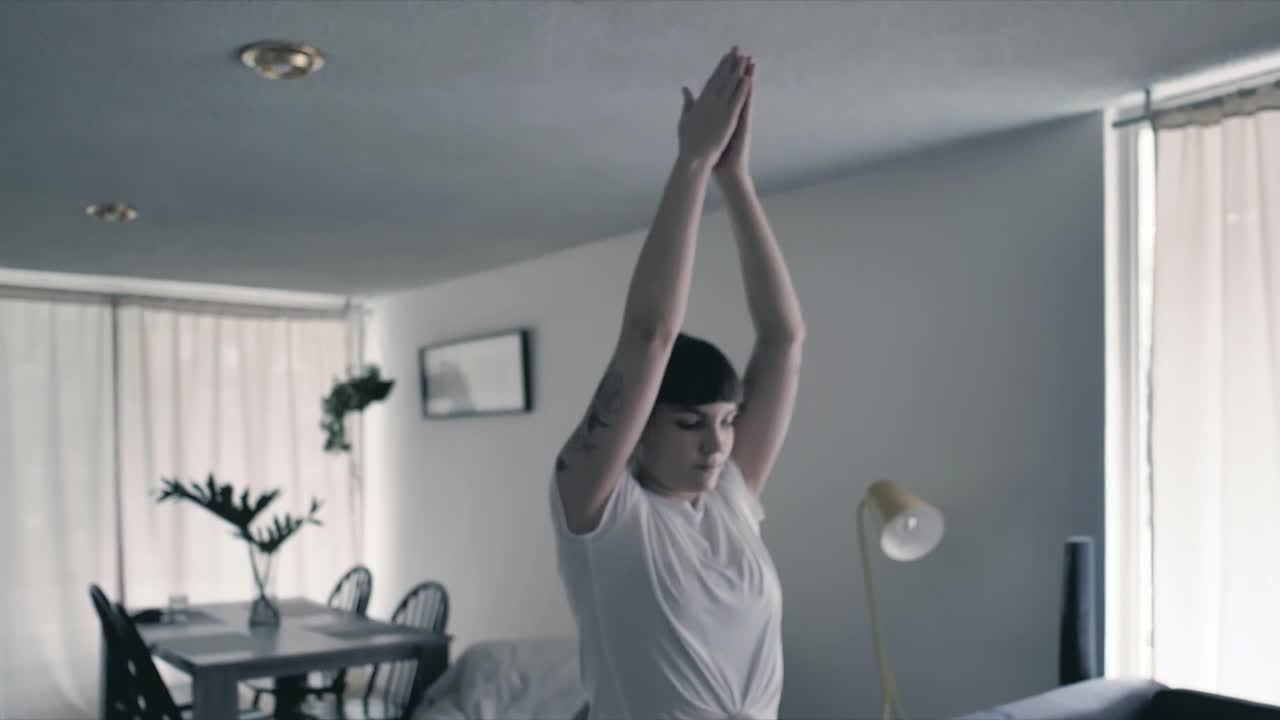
column 519, row 679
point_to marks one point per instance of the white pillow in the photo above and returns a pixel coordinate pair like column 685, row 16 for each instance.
column 535, row 678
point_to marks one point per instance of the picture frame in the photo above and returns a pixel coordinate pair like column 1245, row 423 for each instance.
column 476, row 376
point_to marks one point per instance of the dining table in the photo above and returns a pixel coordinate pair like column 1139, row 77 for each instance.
column 218, row 648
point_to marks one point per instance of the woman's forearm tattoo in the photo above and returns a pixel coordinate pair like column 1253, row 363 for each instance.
column 603, row 413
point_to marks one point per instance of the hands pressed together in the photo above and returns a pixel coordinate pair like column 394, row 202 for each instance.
column 714, row 128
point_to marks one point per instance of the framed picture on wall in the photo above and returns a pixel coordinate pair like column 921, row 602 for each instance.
column 486, row 375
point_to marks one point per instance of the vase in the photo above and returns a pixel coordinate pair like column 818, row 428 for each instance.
column 263, row 612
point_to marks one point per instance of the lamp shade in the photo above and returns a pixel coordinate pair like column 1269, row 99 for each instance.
column 910, row 528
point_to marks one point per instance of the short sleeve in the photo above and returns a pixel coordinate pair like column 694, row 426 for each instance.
column 621, row 499
column 734, row 488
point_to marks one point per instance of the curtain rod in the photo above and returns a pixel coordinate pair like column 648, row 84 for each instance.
column 1203, row 98
column 214, row 307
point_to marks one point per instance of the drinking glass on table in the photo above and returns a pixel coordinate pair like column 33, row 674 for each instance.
column 178, row 607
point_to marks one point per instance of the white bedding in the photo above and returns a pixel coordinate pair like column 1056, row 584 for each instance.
column 522, row 679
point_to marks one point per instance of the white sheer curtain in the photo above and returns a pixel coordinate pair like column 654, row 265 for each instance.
column 238, row 397
column 1216, row 405
column 156, row 392
column 1130, row 232
column 57, row 503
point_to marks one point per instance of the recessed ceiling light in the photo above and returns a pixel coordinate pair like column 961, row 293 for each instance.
column 279, row 60
column 112, row 212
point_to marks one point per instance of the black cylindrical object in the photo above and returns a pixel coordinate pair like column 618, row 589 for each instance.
column 1077, row 643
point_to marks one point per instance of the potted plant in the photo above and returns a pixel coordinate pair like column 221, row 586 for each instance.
column 347, row 396
column 263, row 541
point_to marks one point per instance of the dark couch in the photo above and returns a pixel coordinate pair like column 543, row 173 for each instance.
column 1109, row 699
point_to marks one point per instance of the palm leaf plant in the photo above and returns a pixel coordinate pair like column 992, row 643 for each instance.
column 241, row 513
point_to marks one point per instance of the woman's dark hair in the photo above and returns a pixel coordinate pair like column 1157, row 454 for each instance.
column 698, row 374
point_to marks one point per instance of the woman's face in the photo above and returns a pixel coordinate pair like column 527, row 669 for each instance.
column 683, row 447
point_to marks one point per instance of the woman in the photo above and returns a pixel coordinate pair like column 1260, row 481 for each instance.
column 656, row 495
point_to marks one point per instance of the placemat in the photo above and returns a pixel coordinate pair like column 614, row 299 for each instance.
column 208, row 644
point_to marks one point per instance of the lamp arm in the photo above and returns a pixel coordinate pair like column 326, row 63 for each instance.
column 888, row 688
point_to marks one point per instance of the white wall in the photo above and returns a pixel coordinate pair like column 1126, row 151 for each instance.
column 954, row 301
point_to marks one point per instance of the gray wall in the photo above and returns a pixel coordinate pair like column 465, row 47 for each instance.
column 954, row 300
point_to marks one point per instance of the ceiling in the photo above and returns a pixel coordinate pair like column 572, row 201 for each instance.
column 442, row 139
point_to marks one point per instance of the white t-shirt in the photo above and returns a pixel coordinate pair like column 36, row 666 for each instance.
column 679, row 609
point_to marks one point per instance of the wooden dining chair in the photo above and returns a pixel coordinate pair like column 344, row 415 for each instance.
column 350, row 594
column 132, row 688
column 115, row 685
column 394, row 688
